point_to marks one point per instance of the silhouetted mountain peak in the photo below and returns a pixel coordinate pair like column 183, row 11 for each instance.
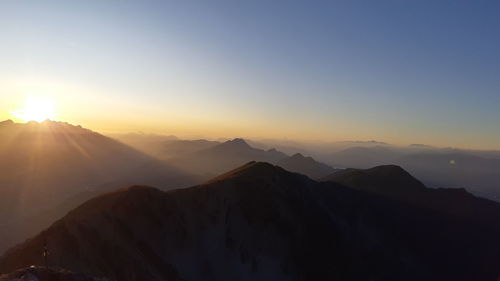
column 48, row 163
column 6, row 122
column 222, row 157
column 45, row 127
column 390, row 170
column 134, row 189
column 232, row 146
column 385, row 178
column 251, row 170
column 237, row 142
column 299, row 158
column 305, row 165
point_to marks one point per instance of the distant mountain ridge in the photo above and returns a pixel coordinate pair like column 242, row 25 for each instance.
column 386, row 178
column 225, row 156
column 477, row 171
column 480, row 175
column 298, row 163
column 57, row 159
column 43, row 164
column 395, row 183
column 260, row 222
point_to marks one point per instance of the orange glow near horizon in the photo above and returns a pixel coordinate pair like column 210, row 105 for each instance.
column 36, row 108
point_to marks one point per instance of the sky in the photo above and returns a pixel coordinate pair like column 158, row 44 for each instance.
column 399, row 71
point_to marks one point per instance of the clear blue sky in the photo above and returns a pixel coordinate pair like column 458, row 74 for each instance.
column 398, row 71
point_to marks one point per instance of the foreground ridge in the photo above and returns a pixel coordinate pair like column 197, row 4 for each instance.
column 39, row 273
column 261, row 222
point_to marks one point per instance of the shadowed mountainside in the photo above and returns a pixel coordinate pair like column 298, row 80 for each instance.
column 364, row 157
column 478, row 174
column 298, row 163
column 164, row 147
column 38, row 273
column 45, row 164
column 477, row 171
column 225, row 156
column 393, row 182
column 260, row 222
column 212, row 157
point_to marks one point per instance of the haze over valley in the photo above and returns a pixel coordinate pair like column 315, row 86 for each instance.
column 342, row 140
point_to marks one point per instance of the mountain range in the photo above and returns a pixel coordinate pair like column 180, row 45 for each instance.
column 48, row 168
column 49, row 164
column 261, row 222
column 213, row 157
column 306, row 165
column 225, row 156
column 477, row 171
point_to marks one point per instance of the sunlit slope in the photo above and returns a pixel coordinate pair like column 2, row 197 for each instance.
column 43, row 164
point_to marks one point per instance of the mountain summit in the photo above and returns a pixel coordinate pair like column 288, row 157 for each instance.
column 237, row 142
column 225, row 156
column 393, row 182
column 306, row 165
column 235, row 146
column 390, row 179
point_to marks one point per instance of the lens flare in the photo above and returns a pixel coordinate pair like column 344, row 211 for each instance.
column 36, row 108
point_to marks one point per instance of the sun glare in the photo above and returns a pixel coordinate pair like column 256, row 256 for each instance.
column 36, row 108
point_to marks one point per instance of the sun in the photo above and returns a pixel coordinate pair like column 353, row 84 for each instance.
column 36, row 108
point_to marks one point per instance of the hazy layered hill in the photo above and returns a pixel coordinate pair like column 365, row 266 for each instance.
column 222, row 157
column 44, row 164
column 393, row 182
column 260, row 222
column 163, row 147
column 477, row 171
column 52, row 160
column 478, row 174
column 365, row 156
column 305, row 165
column 181, row 148
column 212, row 157
column 390, row 180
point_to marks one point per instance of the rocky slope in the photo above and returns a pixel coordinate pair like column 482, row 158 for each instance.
column 260, row 222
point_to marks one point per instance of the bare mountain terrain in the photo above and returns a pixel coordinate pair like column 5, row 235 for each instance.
column 394, row 183
column 299, row 163
column 212, row 157
column 164, row 147
column 477, row 171
column 478, row 174
column 260, row 222
column 45, row 164
column 225, row 156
